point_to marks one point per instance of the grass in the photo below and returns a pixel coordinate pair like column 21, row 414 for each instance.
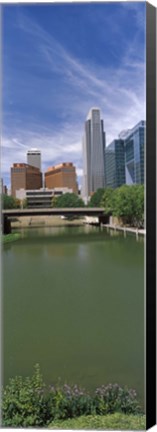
column 97, row 422
column 7, row 238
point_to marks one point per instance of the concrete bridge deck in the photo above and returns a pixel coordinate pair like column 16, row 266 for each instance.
column 7, row 214
column 81, row 211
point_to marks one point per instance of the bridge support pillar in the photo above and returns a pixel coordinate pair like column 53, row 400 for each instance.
column 6, row 225
column 104, row 219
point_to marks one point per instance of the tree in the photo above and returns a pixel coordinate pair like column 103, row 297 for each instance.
column 54, row 201
column 129, row 204
column 9, row 202
column 138, row 192
column 107, row 200
column 68, row 200
column 96, row 198
column 25, row 203
column 17, row 203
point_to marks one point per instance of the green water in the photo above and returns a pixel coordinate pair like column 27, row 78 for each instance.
column 73, row 301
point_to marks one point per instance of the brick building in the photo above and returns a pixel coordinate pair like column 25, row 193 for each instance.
column 25, row 176
column 61, row 176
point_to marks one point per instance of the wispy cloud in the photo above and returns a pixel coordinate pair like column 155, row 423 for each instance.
column 137, row 10
column 69, row 90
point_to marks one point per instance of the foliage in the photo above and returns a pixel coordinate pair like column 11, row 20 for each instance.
column 9, row 202
column 129, row 204
column 28, row 402
column 68, row 200
column 95, row 200
column 71, row 402
column 54, row 201
column 108, row 422
column 139, row 208
column 7, row 238
column 107, row 200
column 113, row 398
column 24, row 203
column 22, row 400
column 125, row 202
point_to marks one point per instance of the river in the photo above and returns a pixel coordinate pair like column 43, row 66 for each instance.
column 73, row 301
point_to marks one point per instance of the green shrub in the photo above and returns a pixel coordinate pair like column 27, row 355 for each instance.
column 67, row 402
column 27, row 402
column 113, row 398
column 22, row 400
column 7, row 238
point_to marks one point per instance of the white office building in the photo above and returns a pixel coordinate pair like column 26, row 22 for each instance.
column 40, row 198
column 93, row 154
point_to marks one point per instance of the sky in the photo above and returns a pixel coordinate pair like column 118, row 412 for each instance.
column 58, row 61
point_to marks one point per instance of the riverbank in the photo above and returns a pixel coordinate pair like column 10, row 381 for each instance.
column 109, row 406
column 125, row 229
column 108, row 422
column 48, row 221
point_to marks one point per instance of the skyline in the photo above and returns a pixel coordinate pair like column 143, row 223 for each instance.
column 55, row 71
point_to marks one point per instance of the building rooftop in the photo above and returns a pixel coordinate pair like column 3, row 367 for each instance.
column 64, row 164
column 24, row 165
column 90, row 112
column 33, row 150
column 126, row 133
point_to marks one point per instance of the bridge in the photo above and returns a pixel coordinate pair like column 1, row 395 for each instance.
column 7, row 214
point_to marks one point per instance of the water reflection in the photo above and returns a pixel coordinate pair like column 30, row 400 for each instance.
column 83, row 252
column 74, row 301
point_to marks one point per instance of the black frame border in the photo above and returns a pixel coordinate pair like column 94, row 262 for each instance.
column 150, row 215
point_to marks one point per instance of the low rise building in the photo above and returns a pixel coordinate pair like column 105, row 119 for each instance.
column 40, row 198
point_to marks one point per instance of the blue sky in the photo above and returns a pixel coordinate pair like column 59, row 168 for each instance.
column 58, row 61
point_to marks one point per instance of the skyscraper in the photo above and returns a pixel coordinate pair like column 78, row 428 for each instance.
column 93, row 154
column 34, row 158
column 115, row 164
column 124, row 157
column 134, row 154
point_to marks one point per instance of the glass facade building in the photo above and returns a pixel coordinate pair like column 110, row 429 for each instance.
column 124, row 158
column 93, row 154
column 134, row 154
column 115, row 164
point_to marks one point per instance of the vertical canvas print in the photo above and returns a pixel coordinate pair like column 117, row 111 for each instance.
column 73, row 188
